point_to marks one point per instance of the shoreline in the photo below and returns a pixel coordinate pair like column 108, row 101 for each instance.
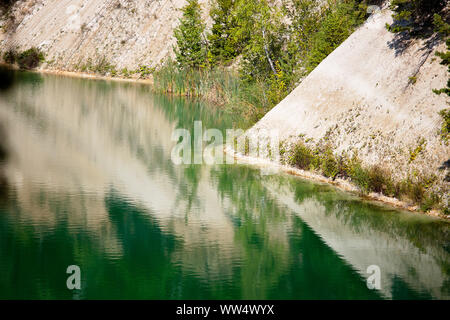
column 92, row 76
column 82, row 75
column 341, row 184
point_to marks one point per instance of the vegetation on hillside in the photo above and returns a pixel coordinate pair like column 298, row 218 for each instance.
column 415, row 188
column 443, row 29
column 415, row 16
column 420, row 18
column 191, row 49
column 270, row 49
column 28, row 59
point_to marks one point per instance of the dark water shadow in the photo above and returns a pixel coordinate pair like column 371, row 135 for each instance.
column 4, row 155
column 7, row 79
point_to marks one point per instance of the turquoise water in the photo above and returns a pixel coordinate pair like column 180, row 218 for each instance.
column 86, row 179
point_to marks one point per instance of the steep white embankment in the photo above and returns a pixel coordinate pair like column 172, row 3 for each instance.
column 125, row 33
column 372, row 95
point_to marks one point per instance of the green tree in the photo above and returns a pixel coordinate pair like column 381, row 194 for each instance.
column 305, row 17
column 339, row 22
column 262, row 28
column 30, row 58
column 191, row 48
column 414, row 15
column 223, row 47
column 277, row 86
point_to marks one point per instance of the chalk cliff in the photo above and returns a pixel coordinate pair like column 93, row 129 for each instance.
column 124, row 33
column 373, row 95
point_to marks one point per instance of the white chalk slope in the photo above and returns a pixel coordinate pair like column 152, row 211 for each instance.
column 125, row 33
column 372, row 96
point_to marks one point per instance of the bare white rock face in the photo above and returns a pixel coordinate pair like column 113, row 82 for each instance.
column 124, row 33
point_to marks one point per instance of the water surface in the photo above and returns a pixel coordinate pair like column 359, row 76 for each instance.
column 86, row 179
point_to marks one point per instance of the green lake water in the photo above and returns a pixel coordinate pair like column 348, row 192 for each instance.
column 86, row 179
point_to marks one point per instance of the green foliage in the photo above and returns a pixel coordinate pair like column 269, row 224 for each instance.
column 103, row 67
column 274, row 54
column 417, row 150
column 414, row 16
column 417, row 17
column 412, row 79
column 339, row 22
column 415, row 187
column 380, row 181
column 277, row 90
column 30, row 59
column 262, row 28
column 328, row 164
column 191, row 49
column 445, row 129
column 305, row 17
column 223, row 45
column 125, row 72
column 373, row 179
column 10, row 56
column 443, row 28
column 359, row 175
column 145, row 71
column 430, row 201
column 301, row 157
column 320, row 159
column 246, row 101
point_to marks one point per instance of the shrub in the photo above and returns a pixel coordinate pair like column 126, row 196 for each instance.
column 414, row 153
column 380, row 180
column 445, row 129
column 10, row 56
column 30, row 58
column 145, row 71
column 328, row 164
column 430, row 201
column 360, row 176
column 301, row 157
column 415, row 191
column 125, row 72
column 277, row 90
column 415, row 188
column 368, row 179
column 103, row 67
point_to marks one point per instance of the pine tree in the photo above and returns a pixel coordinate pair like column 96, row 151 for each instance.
column 414, row 15
column 306, row 17
column 339, row 23
column 191, row 48
column 222, row 45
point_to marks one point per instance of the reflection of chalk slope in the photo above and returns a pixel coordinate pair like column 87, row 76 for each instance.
column 362, row 246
